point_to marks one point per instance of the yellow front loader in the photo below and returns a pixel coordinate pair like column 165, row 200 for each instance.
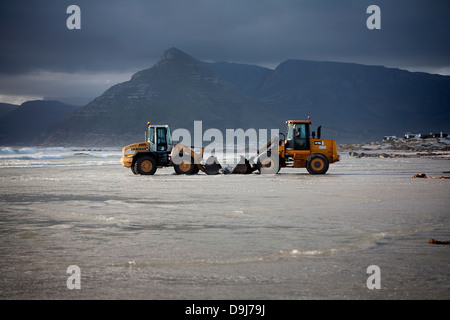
column 159, row 151
column 299, row 149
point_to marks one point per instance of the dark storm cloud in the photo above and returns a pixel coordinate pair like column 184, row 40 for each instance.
column 120, row 35
column 39, row 56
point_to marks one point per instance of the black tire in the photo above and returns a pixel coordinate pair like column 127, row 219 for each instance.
column 145, row 166
column 317, row 164
column 196, row 169
column 185, row 167
column 268, row 165
column 133, row 169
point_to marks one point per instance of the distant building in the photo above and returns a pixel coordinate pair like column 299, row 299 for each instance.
column 409, row 135
column 425, row 135
column 388, row 138
column 439, row 135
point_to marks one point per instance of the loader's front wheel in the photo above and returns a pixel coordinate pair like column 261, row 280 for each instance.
column 185, row 166
column 145, row 166
column 317, row 164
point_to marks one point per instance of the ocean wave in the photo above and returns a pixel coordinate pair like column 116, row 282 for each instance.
column 7, row 150
column 313, row 252
column 29, row 150
column 33, row 157
column 55, row 153
column 24, row 150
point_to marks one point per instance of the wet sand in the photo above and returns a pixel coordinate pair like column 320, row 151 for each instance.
column 285, row 237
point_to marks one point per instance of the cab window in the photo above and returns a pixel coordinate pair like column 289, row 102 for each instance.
column 169, row 136
column 290, row 132
column 162, row 142
column 290, row 137
column 151, row 134
column 301, row 136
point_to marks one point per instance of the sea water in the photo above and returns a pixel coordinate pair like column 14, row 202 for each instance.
column 287, row 236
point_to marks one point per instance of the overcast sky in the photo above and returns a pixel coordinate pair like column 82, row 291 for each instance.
column 40, row 57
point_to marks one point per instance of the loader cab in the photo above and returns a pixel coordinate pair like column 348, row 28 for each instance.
column 297, row 135
column 160, row 138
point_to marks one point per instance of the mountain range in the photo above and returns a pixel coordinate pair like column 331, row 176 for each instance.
column 178, row 90
column 32, row 122
column 353, row 102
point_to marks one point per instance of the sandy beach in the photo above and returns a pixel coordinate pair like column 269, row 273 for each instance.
column 288, row 236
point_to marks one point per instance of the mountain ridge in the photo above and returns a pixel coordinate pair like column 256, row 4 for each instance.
column 177, row 90
column 353, row 102
column 32, row 121
column 6, row 108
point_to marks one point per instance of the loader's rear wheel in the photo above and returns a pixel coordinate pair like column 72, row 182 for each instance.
column 145, row 166
column 317, row 164
column 185, row 166
column 268, row 165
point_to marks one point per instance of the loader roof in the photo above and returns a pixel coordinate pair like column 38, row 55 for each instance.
column 298, row 121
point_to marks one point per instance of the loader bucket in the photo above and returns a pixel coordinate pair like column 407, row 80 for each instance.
column 243, row 167
column 212, row 166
